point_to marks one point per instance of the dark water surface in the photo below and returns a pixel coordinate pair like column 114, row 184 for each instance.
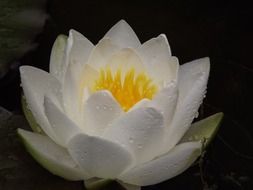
column 218, row 29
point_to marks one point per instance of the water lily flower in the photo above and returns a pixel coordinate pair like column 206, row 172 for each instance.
column 119, row 110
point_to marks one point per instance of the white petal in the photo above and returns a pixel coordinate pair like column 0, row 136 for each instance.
column 156, row 57
column 63, row 127
column 88, row 76
column 155, row 47
column 123, row 35
column 165, row 71
column 57, row 62
column 98, row 156
column 70, row 95
column 101, row 53
column 191, row 72
column 141, row 104
column 100, row 110
column 51, row 156
column 125, row 60
column 164, row 167
column 36, row 84
column 165, row 101
column 79, row 48
column 78, row 51
column 140, row 131
column 192, row 84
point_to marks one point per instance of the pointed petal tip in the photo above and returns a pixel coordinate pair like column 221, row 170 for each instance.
column 163, row 36
column 123, row 35
column 23, row 68
column 122, row 21
column 61, row 37
column 206, row 62
column 72, row 31
column 201, row 65
column 29, row 68
column 121, row 24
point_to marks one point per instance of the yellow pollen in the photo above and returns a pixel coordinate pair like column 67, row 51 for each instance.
column 128, row 89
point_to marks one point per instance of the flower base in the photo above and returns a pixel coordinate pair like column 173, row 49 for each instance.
column 103, row 184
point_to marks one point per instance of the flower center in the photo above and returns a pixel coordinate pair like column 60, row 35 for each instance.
column 128, row 88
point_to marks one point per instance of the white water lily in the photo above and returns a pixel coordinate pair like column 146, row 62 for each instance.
column 117, row 110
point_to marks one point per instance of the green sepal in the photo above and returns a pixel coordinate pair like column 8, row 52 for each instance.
column 103, row 184
column 204, row 129
column 29, row 117
column 51, row 156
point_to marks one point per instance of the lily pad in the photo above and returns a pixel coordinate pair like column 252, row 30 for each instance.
column 204, row 129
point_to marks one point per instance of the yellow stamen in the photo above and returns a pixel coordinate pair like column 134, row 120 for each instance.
column 128, row 89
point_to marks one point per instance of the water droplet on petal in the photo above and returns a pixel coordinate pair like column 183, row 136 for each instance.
column 131, row 140
column 123, row 145
column 196, row 114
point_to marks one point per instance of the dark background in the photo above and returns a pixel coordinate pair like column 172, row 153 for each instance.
column 195, row 29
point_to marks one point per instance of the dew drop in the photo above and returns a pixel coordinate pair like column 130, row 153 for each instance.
column 196, row 114
column 123, row 145
column 131, row 140
column 105, row 107
column 98, row 107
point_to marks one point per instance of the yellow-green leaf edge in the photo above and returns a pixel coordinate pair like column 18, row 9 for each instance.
column 204, row 129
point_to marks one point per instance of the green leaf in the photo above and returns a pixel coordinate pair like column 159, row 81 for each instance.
column 30, row 118
column 204, row 129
